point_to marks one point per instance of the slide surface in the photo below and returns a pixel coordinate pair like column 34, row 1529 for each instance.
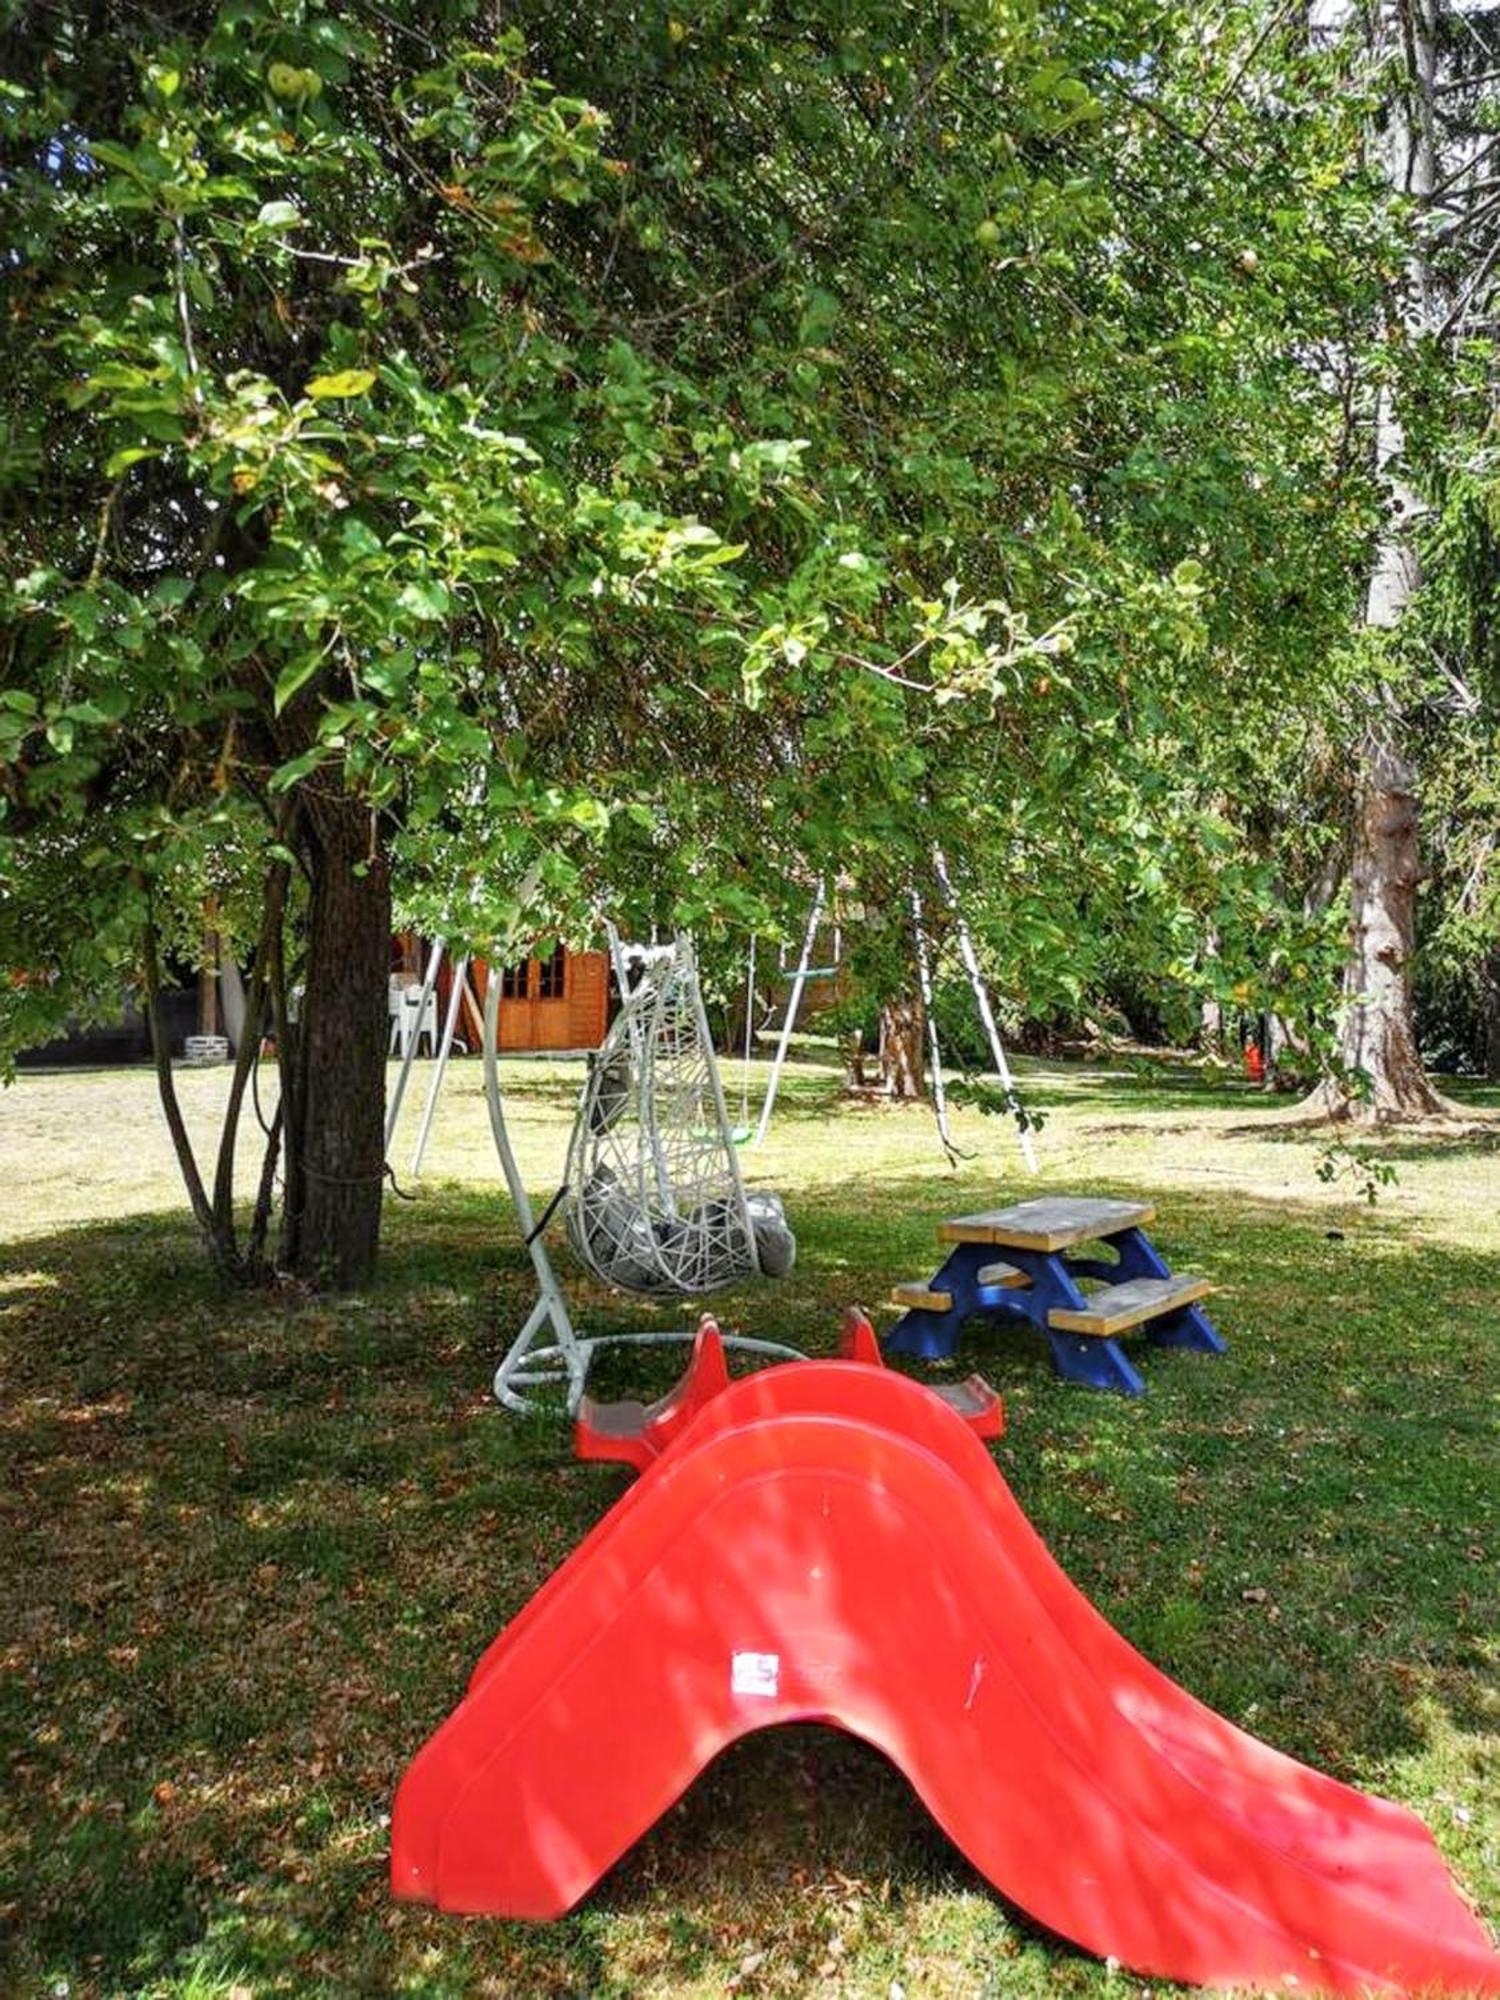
column 828, row 1542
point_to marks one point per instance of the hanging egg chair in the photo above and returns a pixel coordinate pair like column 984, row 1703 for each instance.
column 655, row 1201
column 653, row 1195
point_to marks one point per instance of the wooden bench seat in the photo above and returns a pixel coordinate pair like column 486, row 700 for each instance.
column 917, row 1295
column 1120, row 1307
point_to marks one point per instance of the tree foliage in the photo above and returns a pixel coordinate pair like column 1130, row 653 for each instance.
column 606, row 456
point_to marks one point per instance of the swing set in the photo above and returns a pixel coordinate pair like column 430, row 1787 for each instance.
column 806, row 972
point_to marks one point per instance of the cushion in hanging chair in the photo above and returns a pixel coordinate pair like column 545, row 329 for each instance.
column 609, row 1093
column 775, row 1245
column 616, row 1237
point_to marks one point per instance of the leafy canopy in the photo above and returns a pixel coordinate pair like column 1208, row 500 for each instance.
column 661, row 458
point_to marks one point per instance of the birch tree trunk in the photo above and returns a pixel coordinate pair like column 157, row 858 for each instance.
column 1377, row 1036
column 1377, row 1031
column 1492, row 1015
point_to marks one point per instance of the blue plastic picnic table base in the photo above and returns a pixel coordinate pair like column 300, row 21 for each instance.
column 1096, row 1360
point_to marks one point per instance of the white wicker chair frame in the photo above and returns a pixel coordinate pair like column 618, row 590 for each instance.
column 655, row 1199
column 654, row 1195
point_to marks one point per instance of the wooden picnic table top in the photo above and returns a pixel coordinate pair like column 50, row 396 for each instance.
column 1049, row 1222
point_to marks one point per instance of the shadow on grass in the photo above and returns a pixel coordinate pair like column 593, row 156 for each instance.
column 1397, row 1144
column 256, row 1543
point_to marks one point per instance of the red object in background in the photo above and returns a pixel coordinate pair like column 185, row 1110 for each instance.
column 1255, row 1063
column 826, row 1541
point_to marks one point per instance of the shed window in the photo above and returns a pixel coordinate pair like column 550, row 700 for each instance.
column 552, row 976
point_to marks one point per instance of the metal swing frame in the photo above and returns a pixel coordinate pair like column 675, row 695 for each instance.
column 458, row 990
column 977, row 987
column 793, row 1007
column 549, row 1351
column 981, row 1003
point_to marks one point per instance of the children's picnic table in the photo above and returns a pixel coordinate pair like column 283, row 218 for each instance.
column 1048, row 1248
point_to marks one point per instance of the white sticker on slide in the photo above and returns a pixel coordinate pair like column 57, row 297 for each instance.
column 754, row 1673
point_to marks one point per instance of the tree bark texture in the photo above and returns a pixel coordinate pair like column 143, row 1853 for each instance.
column 1377, row 1036
column 903, row 1025
column 336, row 1158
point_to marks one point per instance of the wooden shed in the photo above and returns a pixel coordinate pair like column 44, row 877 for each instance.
column 558, row 1002
column 555, row 1003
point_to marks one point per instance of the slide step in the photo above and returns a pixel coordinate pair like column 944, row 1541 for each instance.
column 634, row 1433
column 1051, row 1222
column 976, row 1402
column 1119, row 1307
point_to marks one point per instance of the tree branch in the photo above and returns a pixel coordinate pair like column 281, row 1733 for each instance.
column 166, row 1086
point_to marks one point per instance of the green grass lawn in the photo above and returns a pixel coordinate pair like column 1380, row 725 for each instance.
column 254, row 1545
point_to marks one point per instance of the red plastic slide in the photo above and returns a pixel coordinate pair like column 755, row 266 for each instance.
column 826, row 1541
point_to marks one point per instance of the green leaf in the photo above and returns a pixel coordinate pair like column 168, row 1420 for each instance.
column 128, row 455
column 591, row 814
column 279, row 215
column 425, row 600
column 293, row 772
column 122, row 158
column 347, row 382
column 294, row 676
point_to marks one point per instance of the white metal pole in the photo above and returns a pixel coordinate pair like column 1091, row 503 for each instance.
column 688, row 960
column 934, row 1046
column 617, row 959
column 550, row 1305
column 440, row 1070
column 409, row 1044
column 744, row 1124
column 982, row 1002
column 793, row 1003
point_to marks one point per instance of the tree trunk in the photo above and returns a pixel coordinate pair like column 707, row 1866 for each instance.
column 208, row 986
column 903, row 1025
column 1276, row 1037
column 1377, row 1032
column 1376, row 1035
column 336, row 1156
column 218, row 1239
column 1211, row 1007
column 1491, row 979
